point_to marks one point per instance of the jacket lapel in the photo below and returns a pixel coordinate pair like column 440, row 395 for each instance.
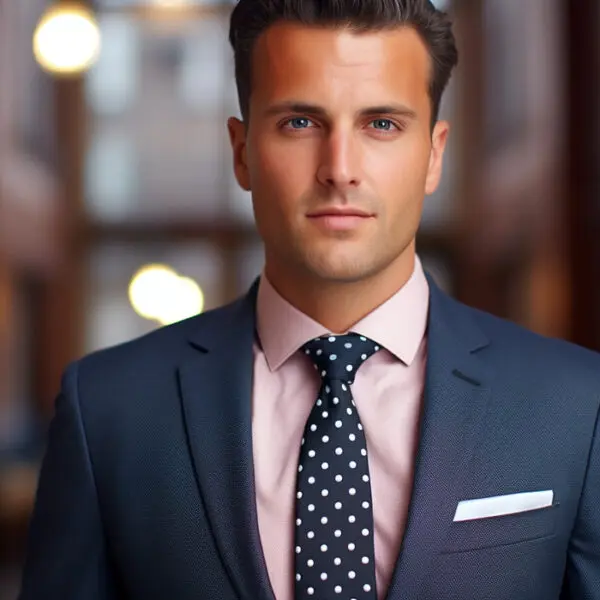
column 216, row 389
column 457, row 387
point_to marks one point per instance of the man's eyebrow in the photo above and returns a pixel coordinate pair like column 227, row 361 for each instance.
column 398, row 110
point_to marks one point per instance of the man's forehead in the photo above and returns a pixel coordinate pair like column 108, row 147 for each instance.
column 289, row 57
column 344, row 45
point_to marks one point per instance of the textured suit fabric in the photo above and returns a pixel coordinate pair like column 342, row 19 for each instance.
column 146, row 490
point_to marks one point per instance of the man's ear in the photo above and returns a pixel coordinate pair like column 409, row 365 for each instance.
column 436, row 158
column 237, row 138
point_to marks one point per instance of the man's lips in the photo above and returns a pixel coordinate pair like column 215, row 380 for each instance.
column 339, row 219
column 339, row 212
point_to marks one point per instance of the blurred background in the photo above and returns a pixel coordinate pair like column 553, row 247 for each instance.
column 119, row 211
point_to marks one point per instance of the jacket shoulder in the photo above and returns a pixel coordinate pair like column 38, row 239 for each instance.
column 531, row 350
column 159, row 349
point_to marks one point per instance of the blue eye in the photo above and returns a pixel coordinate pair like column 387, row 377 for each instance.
column 387, row 124
column 302, row 122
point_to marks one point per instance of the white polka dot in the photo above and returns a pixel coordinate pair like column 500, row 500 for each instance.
column 310, row 562
column 307, row 351
column 376, row 348
column 365, row 504
column 351, row 519
column 337, row 561
column 337, row 533
column 324, row 520
column 348, row 345
column 331, row 339
column 324, row 548
column 338, row 424
column 344, row 386
column 313, row 427
column 360, row 426
column 338, row 478
column 319, row 352
column 365, row 532
column 324, row 466
column 323, row 576
column 337, row 589
column 299, row 495
column 310, row 535
column 302, row 442
column 336, row 400
column 327, row 389
column 338, row 505
column 298, row 522
column 363, row 338
column 338, row 451
column 332, row 356
column 349, row 368
column 351, row 437
column 324, row 492
column 300, row 469
column 311, row 453
column 352, row 491
column 363, row 452
column 319, row 402
column 311, row 480
column 363, row 356
column 352, row 464
column 298, row 549
column 311, row 507
column 351, row 546
column 323, row 373
column 325, row 414
column 349, row 411
column 351, row 574
column 325, row 438
column 310, row 591
column 365, row 478
column 365, row 560
column 298, row 577
column 367, row 587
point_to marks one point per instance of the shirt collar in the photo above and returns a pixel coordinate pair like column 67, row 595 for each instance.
column 398, row 325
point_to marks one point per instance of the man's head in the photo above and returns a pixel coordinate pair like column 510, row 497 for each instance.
column 339, row 100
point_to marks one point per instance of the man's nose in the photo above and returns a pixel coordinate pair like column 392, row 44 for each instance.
column 340, row 162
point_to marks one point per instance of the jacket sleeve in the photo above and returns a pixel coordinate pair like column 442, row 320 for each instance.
column 66, row 553
column 582, row 575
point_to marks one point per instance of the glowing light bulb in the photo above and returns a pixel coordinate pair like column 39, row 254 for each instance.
column 157, row 292
column 67, row 39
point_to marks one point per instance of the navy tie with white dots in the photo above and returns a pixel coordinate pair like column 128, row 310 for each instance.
column 334, row 547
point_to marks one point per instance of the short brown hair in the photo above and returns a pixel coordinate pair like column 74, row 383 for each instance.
column 250, row 18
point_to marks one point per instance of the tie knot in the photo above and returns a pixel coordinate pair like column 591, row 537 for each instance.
column 340, row 356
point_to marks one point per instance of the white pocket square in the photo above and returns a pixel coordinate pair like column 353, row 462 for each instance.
column 496, row 506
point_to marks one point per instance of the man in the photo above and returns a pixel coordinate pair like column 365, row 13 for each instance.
column 233, row 456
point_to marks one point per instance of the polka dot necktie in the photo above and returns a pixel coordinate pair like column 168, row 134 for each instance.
column 334, row 548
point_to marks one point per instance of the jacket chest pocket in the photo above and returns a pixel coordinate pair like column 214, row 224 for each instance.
column 501, row 530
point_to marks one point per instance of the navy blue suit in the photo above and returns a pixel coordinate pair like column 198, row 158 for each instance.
column 146, row 490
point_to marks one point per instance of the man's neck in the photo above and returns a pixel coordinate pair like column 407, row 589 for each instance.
column 339, row 306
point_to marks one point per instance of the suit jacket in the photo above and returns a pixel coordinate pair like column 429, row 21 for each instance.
column 147, row 492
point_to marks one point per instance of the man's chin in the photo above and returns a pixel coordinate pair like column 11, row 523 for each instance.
column 340, row 273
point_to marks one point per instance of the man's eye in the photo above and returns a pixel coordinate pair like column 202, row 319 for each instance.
column 298, row 122
column 384, row 124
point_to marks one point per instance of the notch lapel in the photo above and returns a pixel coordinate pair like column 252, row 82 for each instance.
column 456, row 395
column 216, row 391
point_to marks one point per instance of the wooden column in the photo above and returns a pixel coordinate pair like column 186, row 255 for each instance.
column 583, row 200
column 61, row 309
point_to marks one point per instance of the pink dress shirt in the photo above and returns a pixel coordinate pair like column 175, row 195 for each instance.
column 388, row 393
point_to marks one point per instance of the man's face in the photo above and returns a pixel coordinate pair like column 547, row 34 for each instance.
column 340, row 125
